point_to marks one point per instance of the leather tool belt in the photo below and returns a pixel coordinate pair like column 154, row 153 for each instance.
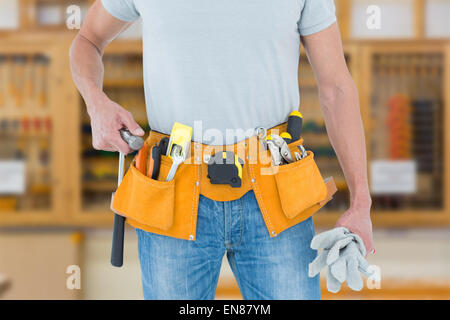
column 286, row 194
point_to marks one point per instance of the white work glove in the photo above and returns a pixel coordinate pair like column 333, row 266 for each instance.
column 343, row 252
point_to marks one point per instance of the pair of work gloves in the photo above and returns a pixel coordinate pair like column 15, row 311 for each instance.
column 343, row 252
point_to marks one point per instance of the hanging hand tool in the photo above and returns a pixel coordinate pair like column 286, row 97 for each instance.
column 134, row 143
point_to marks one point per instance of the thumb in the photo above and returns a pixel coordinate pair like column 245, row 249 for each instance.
column 367, row 241
column 131, row 125
column 370, row 248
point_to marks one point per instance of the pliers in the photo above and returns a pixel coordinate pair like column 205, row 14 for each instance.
column 279, row 149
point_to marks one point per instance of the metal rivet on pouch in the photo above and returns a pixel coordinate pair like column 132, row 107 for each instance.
column 191, row 237
column 197, row 183
column 273, row 233
column 253, row 180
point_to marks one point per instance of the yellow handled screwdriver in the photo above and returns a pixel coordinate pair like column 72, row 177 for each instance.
column 294, row 127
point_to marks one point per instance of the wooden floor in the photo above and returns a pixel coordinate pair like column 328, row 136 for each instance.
column 390, row 290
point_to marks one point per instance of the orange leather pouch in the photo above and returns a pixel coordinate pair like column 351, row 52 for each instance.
column 300, row 186
column 290, row 193
column 162, row 207
column 286, row 194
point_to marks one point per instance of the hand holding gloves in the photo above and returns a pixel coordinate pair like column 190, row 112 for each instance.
column 343, row 252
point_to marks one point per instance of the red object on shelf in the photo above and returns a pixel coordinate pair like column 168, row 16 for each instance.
column 25, row 125
column 399, row 127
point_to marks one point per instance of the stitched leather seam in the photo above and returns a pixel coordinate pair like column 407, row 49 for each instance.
column 194, row 204
column 263, row 209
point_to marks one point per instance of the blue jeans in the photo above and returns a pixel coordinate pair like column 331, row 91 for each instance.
column 264, row 267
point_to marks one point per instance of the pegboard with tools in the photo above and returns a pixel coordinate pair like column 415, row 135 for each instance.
column 406, row 126
column 25, row 132
column 24, row 84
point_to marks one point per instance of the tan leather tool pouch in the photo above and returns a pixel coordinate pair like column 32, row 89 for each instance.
column 300, row 186
column 292, row 192
column 157, row 203
column 286, row 194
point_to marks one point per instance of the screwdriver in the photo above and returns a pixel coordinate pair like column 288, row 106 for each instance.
column 154, row 162
column 294, row 127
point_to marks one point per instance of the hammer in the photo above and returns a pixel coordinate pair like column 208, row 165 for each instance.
column 135, row 143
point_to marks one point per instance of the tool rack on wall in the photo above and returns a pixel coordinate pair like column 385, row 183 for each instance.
column 32, row 134
column 81, row 179
column 407, row 94
column 404, row 105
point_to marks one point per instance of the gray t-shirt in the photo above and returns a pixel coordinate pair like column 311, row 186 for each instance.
column 231, row 64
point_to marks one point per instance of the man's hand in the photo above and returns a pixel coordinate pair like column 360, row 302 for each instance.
column 107, row 118
column 357, row 220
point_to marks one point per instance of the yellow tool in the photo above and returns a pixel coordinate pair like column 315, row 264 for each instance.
column 180, row 136
column 294, row 127
column 179, row 146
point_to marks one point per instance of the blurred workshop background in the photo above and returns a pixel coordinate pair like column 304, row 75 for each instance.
column 55, row 189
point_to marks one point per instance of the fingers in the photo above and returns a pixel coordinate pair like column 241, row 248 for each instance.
column 339, row 269
column 132, row 126
column 107, row 121
column 333, row 284
column 354, row 280
column 335, row 250
column 101, row 145
column 364, row 267
column 110, row 141
column 318, row 264
column 120, row 145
